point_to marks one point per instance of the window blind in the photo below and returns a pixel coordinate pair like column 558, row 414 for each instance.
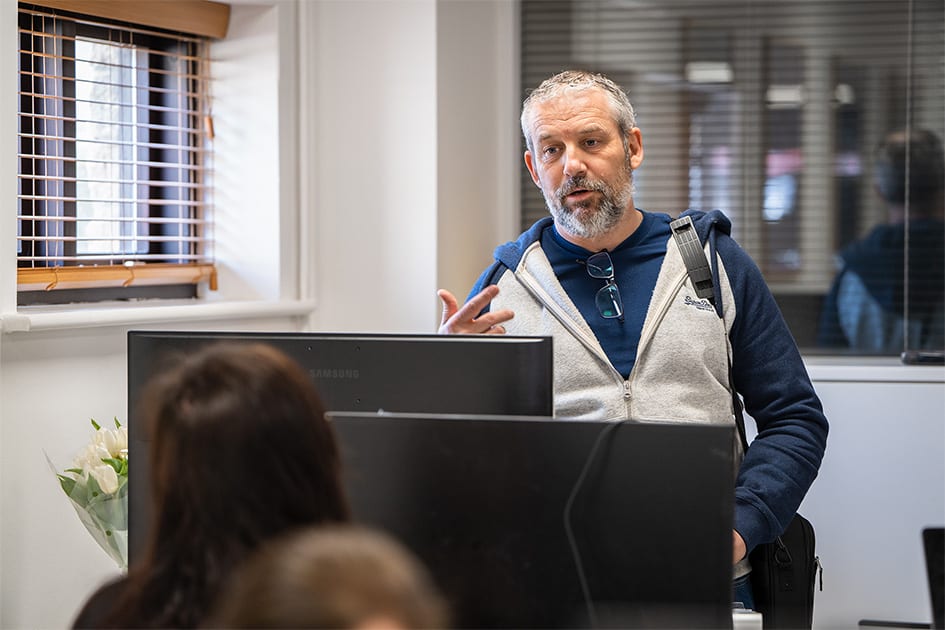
column 115, row 154
column 773, row 112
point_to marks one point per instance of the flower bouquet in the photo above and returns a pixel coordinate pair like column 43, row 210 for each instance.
column 97, row 486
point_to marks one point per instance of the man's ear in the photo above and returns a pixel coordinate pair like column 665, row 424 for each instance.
column 635, row 144
column 531, row 168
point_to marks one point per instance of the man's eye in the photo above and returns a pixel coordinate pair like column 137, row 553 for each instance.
column 550, row 150
column 591, row 142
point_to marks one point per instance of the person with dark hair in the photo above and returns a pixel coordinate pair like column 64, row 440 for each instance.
column 331, row 577
column 889, row 294
column 241, row 453
column 634, row 337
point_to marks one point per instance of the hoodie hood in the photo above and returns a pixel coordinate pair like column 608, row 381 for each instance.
column 707, row 222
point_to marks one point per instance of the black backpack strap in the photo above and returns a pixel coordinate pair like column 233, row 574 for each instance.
column 691, row 249
column 705, row 279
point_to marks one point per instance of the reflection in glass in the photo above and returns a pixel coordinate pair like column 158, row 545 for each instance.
column 770, row 112
column 889, row 293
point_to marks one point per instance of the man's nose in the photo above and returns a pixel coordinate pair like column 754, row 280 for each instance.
column 574, row 163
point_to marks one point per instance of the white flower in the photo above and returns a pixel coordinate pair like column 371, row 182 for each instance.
column 106, row 478
column 90, row 457
column 113, row 441
column 102, row 506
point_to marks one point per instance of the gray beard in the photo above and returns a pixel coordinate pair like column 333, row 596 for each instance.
column 594, row 224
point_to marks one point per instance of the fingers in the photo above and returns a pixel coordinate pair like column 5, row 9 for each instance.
column 464, row 320
column 450, row 305
column 494, row 319
column 739, row 550
column 481, row 300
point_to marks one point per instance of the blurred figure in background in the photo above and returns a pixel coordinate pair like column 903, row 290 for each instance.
column 241, row 453
column 331, row 577
column 889, row 295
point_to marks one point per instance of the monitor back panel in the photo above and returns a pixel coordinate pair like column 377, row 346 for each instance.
column 396, row 372
column 391, row 372
column 483, row 502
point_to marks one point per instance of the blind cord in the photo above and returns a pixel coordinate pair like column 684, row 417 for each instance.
column 908, row 183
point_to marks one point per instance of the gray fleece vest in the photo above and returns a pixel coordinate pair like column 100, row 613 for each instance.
column 681, row 370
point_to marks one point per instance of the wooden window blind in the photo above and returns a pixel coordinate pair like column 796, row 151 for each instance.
column 115, row 155
column 773, row 113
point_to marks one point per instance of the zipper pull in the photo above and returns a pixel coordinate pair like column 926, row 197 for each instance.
column 626, row 390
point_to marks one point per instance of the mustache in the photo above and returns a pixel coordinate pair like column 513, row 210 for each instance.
column 579, row 183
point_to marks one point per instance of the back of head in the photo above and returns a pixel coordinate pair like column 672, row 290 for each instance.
column 576, row 81
column 911, row 167
column 241, row 452
column 331, row 577
column 240, row 446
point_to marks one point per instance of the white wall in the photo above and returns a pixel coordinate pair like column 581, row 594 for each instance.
column 250, row 171
column 410, row 151
column 398, row 196
column 882, row 481
column 371, row 98
column 479, row 156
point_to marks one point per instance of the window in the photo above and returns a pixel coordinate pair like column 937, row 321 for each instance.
column 114, row 160
column 774, row 113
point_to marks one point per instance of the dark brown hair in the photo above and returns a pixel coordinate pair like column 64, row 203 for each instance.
column 911, row 165
column 331, row 577
column 241, row 453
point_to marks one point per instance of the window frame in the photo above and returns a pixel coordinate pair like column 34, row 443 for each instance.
column 93, row 282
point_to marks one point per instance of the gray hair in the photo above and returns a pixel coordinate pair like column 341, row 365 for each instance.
column 578, row 80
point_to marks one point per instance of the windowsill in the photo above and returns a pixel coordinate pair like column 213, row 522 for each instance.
column 839, row 369
column 69, row 316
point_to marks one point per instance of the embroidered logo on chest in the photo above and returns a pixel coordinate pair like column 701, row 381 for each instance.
column 702, row 305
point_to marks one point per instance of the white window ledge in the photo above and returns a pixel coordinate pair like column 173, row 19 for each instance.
column 871, row 370
column 133, row 315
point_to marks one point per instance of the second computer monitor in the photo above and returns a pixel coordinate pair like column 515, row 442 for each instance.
column 554, row 523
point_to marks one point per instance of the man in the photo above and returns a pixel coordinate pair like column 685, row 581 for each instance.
column 889, row 294
column 632, row 338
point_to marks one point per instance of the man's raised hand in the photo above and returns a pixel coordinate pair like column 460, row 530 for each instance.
column 464, row 320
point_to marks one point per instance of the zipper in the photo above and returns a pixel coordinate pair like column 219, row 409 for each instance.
column 649, row 326
column 591, row 344
column 627, row 397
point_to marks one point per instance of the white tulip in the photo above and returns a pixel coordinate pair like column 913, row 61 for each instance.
column 113, row 441
column 106, row 478
column 90, row 457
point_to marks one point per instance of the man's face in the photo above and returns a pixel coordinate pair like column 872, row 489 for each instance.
column 580, row 162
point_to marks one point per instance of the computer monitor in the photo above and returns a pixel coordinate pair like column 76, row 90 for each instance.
column 492, row 374
column 933, row 543
column 537, row 522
